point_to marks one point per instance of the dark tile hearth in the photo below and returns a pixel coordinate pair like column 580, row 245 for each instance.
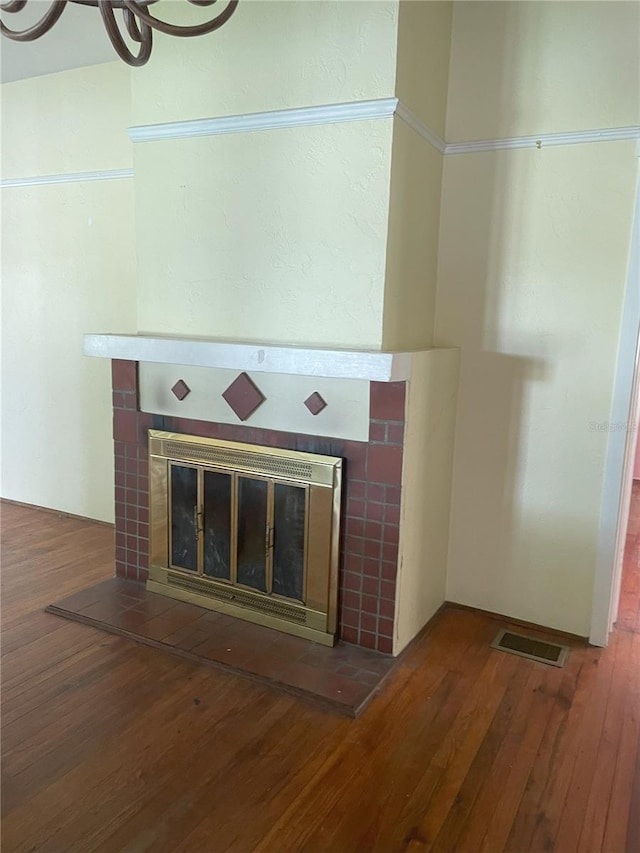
column 342, row 679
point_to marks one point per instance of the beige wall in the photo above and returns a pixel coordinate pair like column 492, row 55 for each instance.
column 424, row 44
column 270, row 55
column 302, row 235
column 522, row 68
column 412, row 241
column 426, row 489
column 275, row 236
column 534, row 246
column 67, row 268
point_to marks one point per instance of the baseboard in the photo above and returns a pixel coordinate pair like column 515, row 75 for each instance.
column 508, row 620
column 58, row 512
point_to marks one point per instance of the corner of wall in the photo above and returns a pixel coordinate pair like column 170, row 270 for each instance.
column 426, row 491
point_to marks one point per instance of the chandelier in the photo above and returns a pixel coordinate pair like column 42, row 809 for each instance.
column 136, row 21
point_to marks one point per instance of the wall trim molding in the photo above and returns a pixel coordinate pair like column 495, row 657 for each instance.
column 543, row 140
column 271, row 120
column 380, row 108
column 69, row 178
column 412, row 120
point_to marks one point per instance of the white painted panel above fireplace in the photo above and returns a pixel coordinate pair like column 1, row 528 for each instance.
column 345, row 416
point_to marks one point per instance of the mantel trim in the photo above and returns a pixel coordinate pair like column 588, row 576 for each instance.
column 261, row 358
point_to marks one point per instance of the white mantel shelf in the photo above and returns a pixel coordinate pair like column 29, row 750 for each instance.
column 370, row 365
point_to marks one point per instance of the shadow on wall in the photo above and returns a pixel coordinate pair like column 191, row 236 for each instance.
column 532, row 261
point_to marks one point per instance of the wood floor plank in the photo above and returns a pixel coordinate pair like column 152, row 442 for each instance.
column 113, row 747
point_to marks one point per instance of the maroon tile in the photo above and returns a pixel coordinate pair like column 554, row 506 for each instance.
column 181, row 390
column 351, row 599
column 315, row 403
column 356, row 488
column 386, row 401
column 385, row 464
column 388, row 590
column 387, row 609
column 389, row 570
column 243, row 396
column 390, row 552
column 371, row 549
column 395, row 434
column 377, row 431
column 349, row 634
column 392, row 514
column 368, row 640
column 391, row 534
column 371, row 567
column 355, row 527
column 350, row 617
column 373, row 530
column 125, row 425
column 376, row 492
column 370, row 604
column 368, row 622
column 124, row 375
column 352, row 563
column 385, row 644
column 355, row 508
column 393, row 495
column 352, row 581
column 370, row 586
column 375, row 511
column 385, row 627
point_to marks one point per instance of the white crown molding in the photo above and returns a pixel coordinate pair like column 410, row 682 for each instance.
column 414, row 123
column 297, row 117
column 71, row 178
column 543, row 140
column 373, row 366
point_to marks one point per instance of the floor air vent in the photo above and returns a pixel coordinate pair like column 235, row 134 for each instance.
column 528, row 647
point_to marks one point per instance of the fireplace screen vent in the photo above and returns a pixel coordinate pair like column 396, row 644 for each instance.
column 247, row 530
column 247, row 461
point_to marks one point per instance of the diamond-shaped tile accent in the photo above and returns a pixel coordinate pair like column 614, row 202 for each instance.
column 244, row 396
column 181, row 389
column 315, row 403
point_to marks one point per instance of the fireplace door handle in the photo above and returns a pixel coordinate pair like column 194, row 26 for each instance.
column 268, row 537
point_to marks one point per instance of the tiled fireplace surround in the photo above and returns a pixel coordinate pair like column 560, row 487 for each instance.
column 370, row 520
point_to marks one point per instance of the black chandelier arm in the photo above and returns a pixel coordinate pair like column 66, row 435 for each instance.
column 176, row 30
column 141, row 34
column 13, row 5
column 130, row 22
column 43, row 26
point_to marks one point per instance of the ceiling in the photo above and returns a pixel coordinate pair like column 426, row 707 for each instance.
column 78, row 38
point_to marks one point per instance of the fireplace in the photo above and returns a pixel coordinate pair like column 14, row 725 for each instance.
column 247, row 530
column 387, row 418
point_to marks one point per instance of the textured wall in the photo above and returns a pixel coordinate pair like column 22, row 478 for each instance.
column 424, row 45
column 426, row 491
column 276, row 236
column 526, row 68
column 270, row 55
column 535, row 302
column 412, row 241
column 67, row 268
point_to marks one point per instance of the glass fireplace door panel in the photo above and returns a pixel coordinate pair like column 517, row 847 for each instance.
column 252, row 533
column 217, row 525
column 289, row 540
column 184, row 521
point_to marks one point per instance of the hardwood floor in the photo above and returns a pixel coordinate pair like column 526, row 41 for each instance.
column 112, row 746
